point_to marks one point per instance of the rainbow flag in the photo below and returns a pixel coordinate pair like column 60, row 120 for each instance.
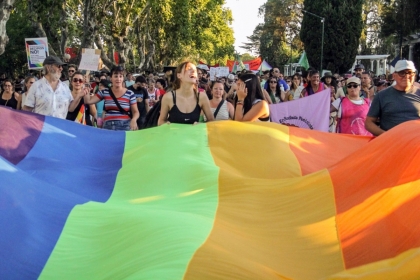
column 223, row 200
column 81, row 115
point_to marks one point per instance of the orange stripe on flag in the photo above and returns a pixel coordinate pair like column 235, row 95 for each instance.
column 271, row 223
column 378, row 216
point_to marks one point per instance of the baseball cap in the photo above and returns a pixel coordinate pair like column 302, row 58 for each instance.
column 49, row 60
column 353, row 80
column 359, row 66
column 404, row 65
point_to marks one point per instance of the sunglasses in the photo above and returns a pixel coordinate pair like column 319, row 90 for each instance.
column 402, row 74
column 273, row 82
column 352, row 86
column 71, row 71
column 75, row 80
column 289, row 81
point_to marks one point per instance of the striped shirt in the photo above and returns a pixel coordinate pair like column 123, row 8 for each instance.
column 112, row 111
column 223, row 113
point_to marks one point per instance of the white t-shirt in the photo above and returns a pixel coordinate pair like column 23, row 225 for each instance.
column 337, row 105
column 48, row 102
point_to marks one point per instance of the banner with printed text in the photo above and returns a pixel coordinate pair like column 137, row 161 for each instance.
column 310, row 112
column 36, row 52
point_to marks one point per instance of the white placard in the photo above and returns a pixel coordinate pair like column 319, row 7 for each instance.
column 223, row 72
column 90, row 59
column 213, row 73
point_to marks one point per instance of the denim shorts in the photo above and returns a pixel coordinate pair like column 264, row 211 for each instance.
column 117, row 125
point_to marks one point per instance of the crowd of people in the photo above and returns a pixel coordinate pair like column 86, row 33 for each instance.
column 361, row 104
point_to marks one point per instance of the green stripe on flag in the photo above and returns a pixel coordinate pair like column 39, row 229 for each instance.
column 161, row 211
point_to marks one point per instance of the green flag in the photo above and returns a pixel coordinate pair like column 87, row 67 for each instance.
column 303, row 61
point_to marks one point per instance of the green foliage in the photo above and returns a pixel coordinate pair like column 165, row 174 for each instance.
column 146, row 32
column 343, row 27
column 278, row 40
column 14, row 58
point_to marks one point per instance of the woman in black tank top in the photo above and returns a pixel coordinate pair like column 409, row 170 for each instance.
column 184, row 103
column 250, row 103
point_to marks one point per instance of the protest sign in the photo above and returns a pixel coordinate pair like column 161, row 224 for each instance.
column 311, row 112
column 90, row 59
column 36, row 52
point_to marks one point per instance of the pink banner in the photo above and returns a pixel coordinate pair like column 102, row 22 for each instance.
column 312, row 112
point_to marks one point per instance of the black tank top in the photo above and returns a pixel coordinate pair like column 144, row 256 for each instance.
column 176, row 116
column 12, row 102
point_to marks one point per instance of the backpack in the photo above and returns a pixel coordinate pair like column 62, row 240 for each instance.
column 152, row 116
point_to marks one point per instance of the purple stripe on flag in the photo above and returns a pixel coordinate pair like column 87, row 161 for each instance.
column 19, row 134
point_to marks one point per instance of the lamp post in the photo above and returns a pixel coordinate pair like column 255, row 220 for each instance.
column 322, row 40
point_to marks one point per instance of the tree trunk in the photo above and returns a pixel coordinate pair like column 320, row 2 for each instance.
column 105, row 59
column 5, row 8
column 37, row 25
column 64, row 28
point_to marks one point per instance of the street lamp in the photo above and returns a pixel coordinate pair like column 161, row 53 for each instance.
column 322, row 40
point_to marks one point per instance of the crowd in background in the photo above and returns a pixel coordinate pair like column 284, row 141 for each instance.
column 118, row 100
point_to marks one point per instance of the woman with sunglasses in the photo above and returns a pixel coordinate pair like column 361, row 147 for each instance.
column 184, row 103
column 9, row 97
column 274, row 94
column 250, row 103
column 83, row 113
column 120, row 103
column 351, row 110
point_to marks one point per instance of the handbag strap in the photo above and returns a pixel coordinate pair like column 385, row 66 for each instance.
column 218, row 108
column 118, row 103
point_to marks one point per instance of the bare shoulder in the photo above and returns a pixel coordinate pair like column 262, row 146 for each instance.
column 202, row 95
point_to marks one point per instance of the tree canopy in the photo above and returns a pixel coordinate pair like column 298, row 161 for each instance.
column 146, row 34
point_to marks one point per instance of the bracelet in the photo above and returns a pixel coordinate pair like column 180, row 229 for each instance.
column 240, row 102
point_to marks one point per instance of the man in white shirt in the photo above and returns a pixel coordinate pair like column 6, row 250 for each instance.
column 49, row 96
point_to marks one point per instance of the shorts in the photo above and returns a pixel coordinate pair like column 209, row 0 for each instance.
column 117, row 125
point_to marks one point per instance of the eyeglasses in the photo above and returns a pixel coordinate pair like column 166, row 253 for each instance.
column 402, row 74
column 289, row 81
column 352, row 86
column 7, row 85
column 75, row 80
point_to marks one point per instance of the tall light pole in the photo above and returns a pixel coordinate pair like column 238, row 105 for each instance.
column 322, row 40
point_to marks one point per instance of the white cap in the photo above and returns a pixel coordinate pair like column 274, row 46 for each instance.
column 353, row 80
column 231, row 77
column 404, row 65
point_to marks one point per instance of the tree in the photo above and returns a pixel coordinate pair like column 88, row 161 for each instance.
column 18, row 28
column 5, row 8
column 343, row 27
column 279, row 40
column 147, row 34
column 401, row 18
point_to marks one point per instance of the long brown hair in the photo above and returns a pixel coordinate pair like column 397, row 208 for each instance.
column 180, row 69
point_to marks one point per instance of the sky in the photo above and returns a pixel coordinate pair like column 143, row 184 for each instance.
column 245, row 19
